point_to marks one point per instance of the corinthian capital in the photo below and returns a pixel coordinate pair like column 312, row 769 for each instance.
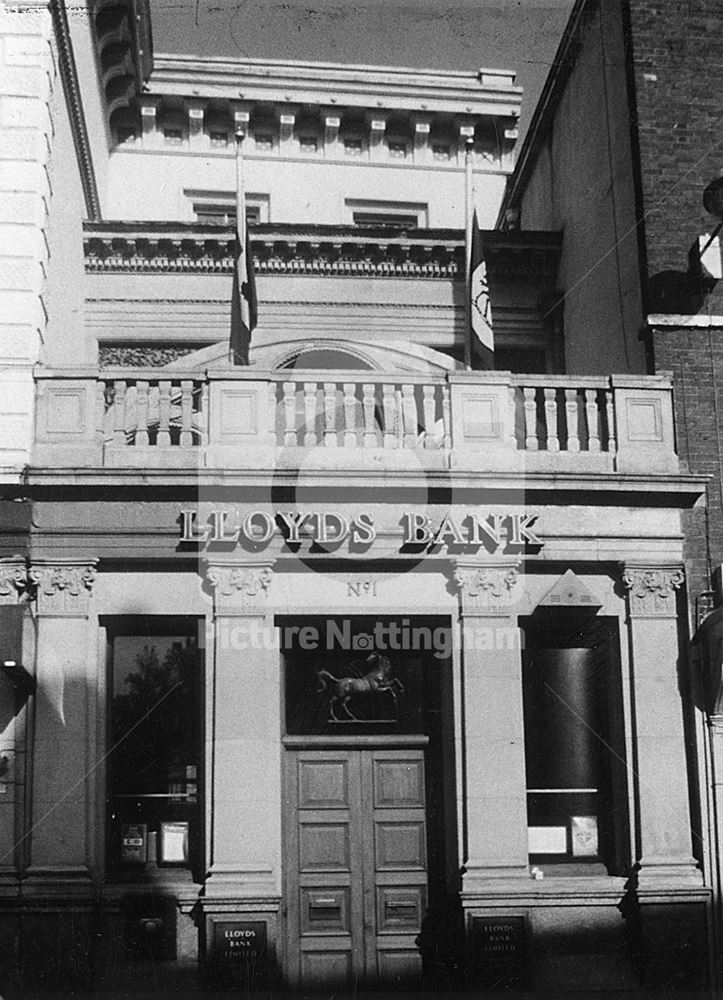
column 13, row 580
column 651, row 589
column 489, row 589
column 63, row 588
column 238, row 589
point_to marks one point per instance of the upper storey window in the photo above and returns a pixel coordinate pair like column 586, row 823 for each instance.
column 400, row 214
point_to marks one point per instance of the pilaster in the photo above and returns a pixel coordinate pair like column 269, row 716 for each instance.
column 64, row 745
column 664, row 835
column 494, row 755
column 13, row 730
column 245, row 797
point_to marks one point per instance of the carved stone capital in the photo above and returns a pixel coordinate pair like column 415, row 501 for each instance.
column 238, row 589
column 490, row 589
column 63, row 588
column 13, row 580
column 651, row 590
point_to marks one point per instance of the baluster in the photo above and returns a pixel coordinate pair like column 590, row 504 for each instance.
column 531, row 442
column 272, row 406
column 573, row 437
column 446, row 419
column 186, row 413
column 610, row 412
column 388, row 405
column 553, row 442
column 289, row 390
column 141, row 414
column 100, row 391
column 330, row 414
column 164, row 414
column 591, row 412
column 310, row 439
column 370, row 434
column 349, row 415
column 119, row 413
column 203, row 414
column 429, row 411
column 409, row 416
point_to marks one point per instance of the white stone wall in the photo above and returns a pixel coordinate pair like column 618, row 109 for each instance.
column 27, row 82
column 151, row 184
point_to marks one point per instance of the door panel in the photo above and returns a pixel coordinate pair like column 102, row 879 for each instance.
column 356, row 880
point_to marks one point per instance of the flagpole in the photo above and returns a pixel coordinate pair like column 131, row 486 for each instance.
column 468, row 213
column 239, row 244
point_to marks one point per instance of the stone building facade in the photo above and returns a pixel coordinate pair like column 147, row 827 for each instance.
column 352, row 666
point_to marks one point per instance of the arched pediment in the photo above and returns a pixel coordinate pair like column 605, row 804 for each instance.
column 326, row 353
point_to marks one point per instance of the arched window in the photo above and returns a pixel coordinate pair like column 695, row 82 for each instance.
column 326, row 358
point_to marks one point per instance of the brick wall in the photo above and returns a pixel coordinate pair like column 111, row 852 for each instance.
column 27, row 78
column 678, row 74
column 695, row 357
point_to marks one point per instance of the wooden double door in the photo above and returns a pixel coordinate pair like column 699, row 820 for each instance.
column 356, row 867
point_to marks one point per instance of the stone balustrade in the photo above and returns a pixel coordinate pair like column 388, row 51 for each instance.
column 245, row 418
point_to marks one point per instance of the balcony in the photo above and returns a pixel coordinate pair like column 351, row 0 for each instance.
column 256, row 421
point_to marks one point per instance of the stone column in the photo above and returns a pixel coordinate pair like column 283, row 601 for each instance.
column 245, row 798
column 494, row 745
column 662, row 785
column 64, row 741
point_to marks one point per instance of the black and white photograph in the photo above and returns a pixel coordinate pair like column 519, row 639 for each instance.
column 361, row 499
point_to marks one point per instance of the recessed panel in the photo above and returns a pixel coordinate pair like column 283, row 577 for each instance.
column 324, row 910
column 323, row 784
column 400, row 968
column 400, row 908
column 398, row 783
column 400, row 845
column 325, row 969
column 324, row 847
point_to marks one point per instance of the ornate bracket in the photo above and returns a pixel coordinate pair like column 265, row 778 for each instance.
column 651, row 590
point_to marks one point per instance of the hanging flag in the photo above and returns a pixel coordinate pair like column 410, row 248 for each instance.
column 243, row 303
column 480, row 311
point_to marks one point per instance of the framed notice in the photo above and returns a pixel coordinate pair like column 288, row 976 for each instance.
column 583, row 830
column 174, row 843
column 547, row 839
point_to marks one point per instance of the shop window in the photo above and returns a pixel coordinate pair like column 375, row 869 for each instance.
column 574, row 746
column 219, row 140
column 172, row 136
column 126, row 134
column 440, row 151
column 264, row 142
column 308, row 144
column 353, row 147
column 154, row 787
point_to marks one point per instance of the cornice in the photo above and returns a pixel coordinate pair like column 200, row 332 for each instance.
column 74, row 102
column 487, row 91
column 122, row 31
column 174, row 248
